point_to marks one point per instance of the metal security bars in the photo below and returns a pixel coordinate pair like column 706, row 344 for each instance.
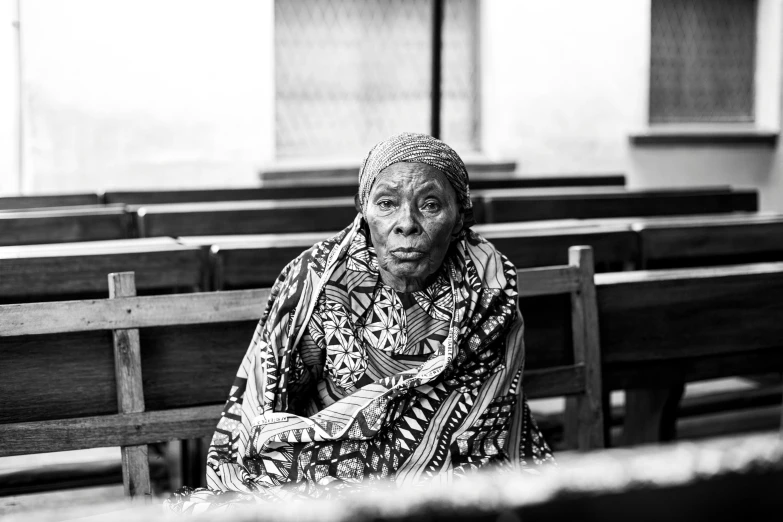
column 702, row 61
column 351, row 72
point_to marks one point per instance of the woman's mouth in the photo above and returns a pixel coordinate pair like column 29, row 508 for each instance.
column 408, row 254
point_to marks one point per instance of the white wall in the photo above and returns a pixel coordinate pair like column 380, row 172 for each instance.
column 565, row 84
column 562, row 82
column 8, row 100
column 158, row 93
column 169, row 93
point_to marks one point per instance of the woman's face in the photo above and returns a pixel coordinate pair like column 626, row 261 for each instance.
column 412, row 212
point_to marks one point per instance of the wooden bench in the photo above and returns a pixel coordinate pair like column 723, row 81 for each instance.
column 64, row 225
column 57, row 271
column 340, row 188
column 175, row 357
column 663, row 328
column 48, row 200
column 307, row 215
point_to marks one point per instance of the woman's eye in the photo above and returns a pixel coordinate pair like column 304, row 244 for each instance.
column 385, row 204
column 431, row 206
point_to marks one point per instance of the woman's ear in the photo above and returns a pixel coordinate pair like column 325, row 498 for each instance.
column 356, row 204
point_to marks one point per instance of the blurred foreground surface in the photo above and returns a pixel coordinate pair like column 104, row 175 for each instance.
column 715, row 479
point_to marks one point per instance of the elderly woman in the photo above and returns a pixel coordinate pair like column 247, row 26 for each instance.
column 392, row 350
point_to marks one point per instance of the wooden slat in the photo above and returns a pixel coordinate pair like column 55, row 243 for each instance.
column 130, row 392
column 48, row 200
column 547, row 281
column 79, row 208
column 678, row 274
column 108, row 430
column 554, row 382
column 131, row 312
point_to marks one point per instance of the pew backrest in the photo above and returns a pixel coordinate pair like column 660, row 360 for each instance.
column 690, row 324
column 48, row 200
column 341, row 188
column 64, row 225
column 56, row 271
column 709, row 240
column 307, row 215
column 507, row 205
column 254, row 261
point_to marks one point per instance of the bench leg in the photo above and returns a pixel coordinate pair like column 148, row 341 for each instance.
column 651, row 414
column 136, row 473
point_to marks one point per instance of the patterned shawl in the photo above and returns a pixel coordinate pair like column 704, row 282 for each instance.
column 460, row 410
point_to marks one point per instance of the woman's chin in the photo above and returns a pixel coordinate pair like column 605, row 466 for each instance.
column 405, row 277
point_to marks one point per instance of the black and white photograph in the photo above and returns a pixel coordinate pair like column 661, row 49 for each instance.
column 391, row 260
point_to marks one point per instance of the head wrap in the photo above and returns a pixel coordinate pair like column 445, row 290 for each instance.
column 416, row 148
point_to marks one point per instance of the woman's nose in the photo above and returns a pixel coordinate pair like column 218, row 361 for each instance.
column 407, row 224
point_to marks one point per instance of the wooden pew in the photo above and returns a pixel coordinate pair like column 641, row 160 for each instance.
column 663, row 328
column 528, row 205
column 710, row 240
column 57, row 271
column 176, row 355
column 306, row 215
column 64, row 225
column 48, row 200
column 341, row 188
column 691, row 241
column 722, row 479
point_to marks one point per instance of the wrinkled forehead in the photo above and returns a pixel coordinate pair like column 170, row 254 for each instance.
column 422, row 176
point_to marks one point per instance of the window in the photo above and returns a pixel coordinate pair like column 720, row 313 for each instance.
column 702, row 62
column 348, row 73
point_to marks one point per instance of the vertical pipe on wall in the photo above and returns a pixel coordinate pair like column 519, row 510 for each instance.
column 437, row 69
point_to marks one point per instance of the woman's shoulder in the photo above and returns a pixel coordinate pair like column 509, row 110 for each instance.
column 486, row 259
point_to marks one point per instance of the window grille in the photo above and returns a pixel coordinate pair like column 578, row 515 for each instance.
column 349, row 73
column 702, row 61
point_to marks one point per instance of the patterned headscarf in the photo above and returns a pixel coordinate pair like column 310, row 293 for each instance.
column 416, row 148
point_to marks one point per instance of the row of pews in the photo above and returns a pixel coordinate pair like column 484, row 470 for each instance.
column 188, row 263
column 328, row 188
column 660, row 318
column 122, row 221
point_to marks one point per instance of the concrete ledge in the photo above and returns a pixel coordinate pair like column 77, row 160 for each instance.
column 704, row 135
column 311, row 170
